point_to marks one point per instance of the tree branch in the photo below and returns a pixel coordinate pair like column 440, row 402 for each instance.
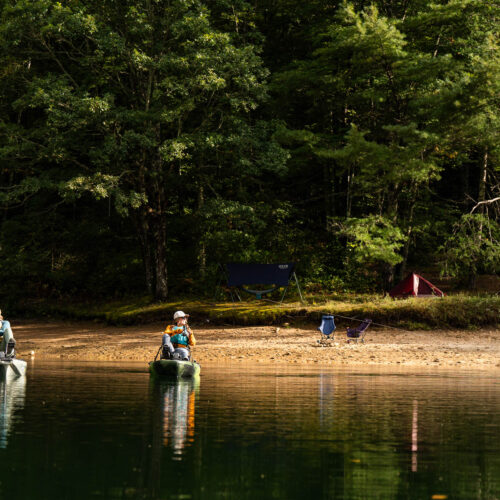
column 58, row 62
column 485, row 202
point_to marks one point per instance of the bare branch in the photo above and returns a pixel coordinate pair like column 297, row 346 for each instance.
column 485, row 202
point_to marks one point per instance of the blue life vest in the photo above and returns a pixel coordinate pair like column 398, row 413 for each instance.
column 181, row 339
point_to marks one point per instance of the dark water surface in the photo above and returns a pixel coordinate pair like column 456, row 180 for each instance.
column 104, row 431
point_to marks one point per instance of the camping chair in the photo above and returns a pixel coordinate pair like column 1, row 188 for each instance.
column 327, row 328
column 358, row 333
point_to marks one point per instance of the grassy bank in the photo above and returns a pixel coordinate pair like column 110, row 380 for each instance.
column 456, row 311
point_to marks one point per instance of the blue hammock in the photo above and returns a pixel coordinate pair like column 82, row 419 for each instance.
column 243, row 276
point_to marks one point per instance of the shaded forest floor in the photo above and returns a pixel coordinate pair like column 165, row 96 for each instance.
column 456, row 349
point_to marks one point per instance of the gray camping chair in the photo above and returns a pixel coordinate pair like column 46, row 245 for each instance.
column 358, row 334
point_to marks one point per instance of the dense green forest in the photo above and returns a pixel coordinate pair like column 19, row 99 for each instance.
column 143, row 142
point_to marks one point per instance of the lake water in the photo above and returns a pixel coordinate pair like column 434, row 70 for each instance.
column 104, row 431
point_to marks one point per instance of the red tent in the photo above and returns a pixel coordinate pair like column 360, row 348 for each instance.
column 416, row 286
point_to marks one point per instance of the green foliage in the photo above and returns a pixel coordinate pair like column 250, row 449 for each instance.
column 131, row 103
column 158, row 139
column 474, row 247
column 374, row 240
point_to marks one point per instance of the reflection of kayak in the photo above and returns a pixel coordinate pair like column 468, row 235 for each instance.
column 175, row 405
column 12, row 395
column 12, row 367
column 174, row 368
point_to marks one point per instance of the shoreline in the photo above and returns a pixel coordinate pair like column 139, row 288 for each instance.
column 458, row 349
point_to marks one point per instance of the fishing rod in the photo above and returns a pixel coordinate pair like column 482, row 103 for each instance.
column 373, row 323
column 158, row 352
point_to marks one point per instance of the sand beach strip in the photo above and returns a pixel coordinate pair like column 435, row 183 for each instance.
column 461, row 349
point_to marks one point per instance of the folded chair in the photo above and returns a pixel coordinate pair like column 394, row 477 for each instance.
column 358, row 334
column 327, row 328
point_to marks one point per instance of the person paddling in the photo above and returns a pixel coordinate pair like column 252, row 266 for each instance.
column 178, row 338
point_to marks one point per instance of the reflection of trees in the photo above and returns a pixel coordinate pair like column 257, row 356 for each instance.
column 172, row 428
column 12, row 393
column 345, row 434
column 325, row 435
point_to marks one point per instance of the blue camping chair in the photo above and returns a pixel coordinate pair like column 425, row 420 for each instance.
column 358, row 334
column 327, row 328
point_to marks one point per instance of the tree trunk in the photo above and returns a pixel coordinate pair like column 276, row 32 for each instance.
column 329, row 189
column 202, row 252
column 472, row 280
column 350, row 177
column 143, row 232
column 393, row 203
column 482, row 189
column 464, row 182
column 387, row 272
column 406, row 248
column 480, row 197
column 160, row 257
column 482, row 178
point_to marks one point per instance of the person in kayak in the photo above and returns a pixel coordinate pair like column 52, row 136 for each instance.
column 178, row 339
column 7, row 342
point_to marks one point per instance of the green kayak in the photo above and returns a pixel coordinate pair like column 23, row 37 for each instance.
column 174, row 368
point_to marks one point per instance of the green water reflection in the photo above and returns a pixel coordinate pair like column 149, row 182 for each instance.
column 103, row 431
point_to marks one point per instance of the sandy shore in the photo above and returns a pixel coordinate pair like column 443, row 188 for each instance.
column 292, row 345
